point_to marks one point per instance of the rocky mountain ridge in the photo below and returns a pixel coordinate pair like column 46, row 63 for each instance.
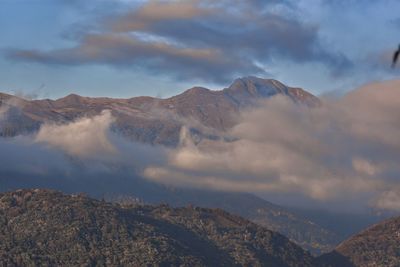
column 152, row 120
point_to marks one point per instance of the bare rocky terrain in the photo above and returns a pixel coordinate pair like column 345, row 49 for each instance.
column 152, row 120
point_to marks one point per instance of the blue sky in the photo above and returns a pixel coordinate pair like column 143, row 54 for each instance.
column 51, row 48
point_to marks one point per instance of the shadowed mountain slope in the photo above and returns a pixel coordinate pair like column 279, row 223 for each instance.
column 378, row 245
column 42, row 227
column 297, row 228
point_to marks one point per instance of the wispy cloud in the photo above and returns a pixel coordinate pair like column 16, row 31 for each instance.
column 195, row 39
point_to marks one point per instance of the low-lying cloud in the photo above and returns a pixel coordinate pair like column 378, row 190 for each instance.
column 83, row 155
column 345, row 147
column 86, row 137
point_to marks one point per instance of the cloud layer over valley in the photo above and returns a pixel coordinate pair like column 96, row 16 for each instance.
column 83, row 138
column 346, row 148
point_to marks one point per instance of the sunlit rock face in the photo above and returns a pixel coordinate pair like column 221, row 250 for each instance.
column 151, row 120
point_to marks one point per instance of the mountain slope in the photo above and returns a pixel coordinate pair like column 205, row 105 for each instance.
column 298, row 229
column 153, row 120
column 41, row 227
column 158, row 121
column 378, row 245
column 118, row 188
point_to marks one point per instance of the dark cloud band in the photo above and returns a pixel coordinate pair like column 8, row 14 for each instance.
column 195, row 39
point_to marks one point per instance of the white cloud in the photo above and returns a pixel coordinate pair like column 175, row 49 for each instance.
column 388, row 200
column 84, row 138
column 345, row 147
column 365, row 167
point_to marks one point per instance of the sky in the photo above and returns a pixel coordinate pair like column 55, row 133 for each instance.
column 126, row 48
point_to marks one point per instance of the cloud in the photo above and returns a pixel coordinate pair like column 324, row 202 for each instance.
column 195, row 40
column 79, row 156
column 7, row 102
column 388, row 200
column 9, row 107
column 88, row 136
column 156, row 57
column 3, row 111
column 90, row 140
column 345, row 147
column 26, row 163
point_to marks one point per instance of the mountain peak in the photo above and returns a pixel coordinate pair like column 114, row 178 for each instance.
column 257, row 87
column 246, row 90
column 71, row 96
column 217, row 110
column 255, row 79
column 252, row 87
column 196, row 90
column 71, row 99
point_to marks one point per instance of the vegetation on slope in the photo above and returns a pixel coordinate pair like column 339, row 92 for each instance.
column 42, row 227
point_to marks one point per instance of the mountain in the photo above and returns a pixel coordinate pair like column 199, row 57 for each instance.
column 152, row 120
column 128, row 189
column 298, row 228
column 344, row 224
column 46, row 228
column 43, row 227
column 378, row 245
column 158, row 121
